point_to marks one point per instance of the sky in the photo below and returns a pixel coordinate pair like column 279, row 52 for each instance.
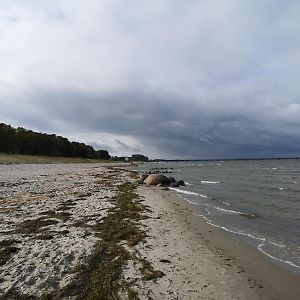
column 196, row 79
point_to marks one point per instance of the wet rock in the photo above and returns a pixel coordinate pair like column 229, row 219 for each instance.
column 177, row 183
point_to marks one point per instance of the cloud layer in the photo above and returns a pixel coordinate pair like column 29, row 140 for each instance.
column 203, row 79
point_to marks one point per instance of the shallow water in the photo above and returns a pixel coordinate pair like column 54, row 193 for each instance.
column 257, row 201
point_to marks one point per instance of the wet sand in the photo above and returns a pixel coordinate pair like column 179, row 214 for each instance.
column 207, row 263
column 55, row 220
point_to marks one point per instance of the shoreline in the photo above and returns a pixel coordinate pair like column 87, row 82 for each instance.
column 74, row 230
column 276, row 282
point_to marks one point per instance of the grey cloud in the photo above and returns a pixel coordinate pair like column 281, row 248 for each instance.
column 202, row 79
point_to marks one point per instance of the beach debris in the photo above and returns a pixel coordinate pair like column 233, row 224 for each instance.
column 165, row 261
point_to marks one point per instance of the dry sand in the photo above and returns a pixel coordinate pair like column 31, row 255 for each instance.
column 46, row 223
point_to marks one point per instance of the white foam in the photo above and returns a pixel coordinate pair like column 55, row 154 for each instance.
column 226, row 203
column 209, row 182
column 234, row 212
column 278, row 245
column 187, row 183
column 259, row 247
column 276, row 258
column 231, row 231
column 187, row 192
column 282, row 189
column 187, row 200
column 228, row 210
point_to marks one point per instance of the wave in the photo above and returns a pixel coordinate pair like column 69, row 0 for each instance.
column 209, row 182
column 244, row 214
column 282, row 189
column 187, row 200
column 277, row 244
column 226, row 203
column 187, row 183
column 259, row 247
column 229, row 230
column 187, row 192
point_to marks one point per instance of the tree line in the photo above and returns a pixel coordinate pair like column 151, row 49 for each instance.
column 23, row 141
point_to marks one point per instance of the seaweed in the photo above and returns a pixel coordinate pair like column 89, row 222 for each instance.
column 7, row 249
column 102, row 276
column 148, row 271
column 34, row 225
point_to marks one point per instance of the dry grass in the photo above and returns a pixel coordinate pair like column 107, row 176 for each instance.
column 33, row 159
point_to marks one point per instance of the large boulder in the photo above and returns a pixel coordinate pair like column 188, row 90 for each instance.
column 172, row 179
column 155, row 179
column 142, row 178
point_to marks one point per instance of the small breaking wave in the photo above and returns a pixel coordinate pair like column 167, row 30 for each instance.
column 187, row 200
column 209, row 182
column 229, row 230
column 244, row 214
column 282, row 189
column 226, row 203
column 187, row 192
column 260, row 246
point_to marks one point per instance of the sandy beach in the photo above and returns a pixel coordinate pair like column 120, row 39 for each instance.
column 89, row 232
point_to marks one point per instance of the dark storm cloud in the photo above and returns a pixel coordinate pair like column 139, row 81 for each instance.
column 203, row 79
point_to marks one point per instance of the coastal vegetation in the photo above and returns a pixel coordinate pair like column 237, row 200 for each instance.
column 23, row 146
column 40, row 159
column 27, row 142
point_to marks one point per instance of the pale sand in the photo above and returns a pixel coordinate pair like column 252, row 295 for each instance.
column 42, row 265
column 198, row 261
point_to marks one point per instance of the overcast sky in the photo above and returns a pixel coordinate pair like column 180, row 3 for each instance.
column 173, row 78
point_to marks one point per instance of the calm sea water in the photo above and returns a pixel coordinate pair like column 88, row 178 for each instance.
column 257, row 201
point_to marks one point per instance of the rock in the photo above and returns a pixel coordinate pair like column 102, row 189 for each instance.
column 155, row 179
column 181, row 182
column 172, row 179
column 143, row 177
column 177, row 183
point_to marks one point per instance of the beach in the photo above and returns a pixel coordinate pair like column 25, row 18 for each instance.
column 89, row 232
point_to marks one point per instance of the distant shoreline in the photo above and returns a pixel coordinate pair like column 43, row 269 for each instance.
column 224, row 159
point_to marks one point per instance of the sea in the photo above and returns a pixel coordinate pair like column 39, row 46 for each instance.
column 257, row 201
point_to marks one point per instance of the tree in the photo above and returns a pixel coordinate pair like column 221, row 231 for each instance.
column 138, row 157
column 102, row 154
column 24, row 141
